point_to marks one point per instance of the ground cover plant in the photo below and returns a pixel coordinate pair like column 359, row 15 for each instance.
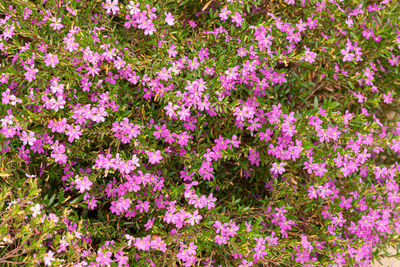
column 199, row 133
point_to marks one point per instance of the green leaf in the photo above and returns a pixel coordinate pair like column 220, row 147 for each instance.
column 61, row 197
column 315, row 102
column 51, row 200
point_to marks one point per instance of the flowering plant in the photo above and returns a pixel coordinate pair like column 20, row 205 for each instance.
column 216, row 133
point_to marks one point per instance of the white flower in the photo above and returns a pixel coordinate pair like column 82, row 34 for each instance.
column 36, row 210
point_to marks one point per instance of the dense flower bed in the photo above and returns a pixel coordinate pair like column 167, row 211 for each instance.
column 199, row 133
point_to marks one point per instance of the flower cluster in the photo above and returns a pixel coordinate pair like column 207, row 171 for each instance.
column 214, row 133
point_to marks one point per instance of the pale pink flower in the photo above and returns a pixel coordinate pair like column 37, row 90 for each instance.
column 111, row 6
column 51, row 60
column 169, row 19
column 56, row 25
column 36, row 210
column 48, row 259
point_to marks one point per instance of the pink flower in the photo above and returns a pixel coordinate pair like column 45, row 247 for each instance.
column 56, row 25
column 248, row 227
column 92, row 203
column 387, row 98
column 143, row 244
column 155, row 157
column 73, row 133
column 320, row 169
column 104, row 258
column 123, row 204
column 211, row 201
column 246, row 263
column 171, row 51
column 309, row 56
column 111, row 7
column 224, row 13
column 148, row 27
column 28, row 139
column 237, row 18
column 241, row 52
column 142, row 206
column 347, row 56
column 133, row 8
column 55, row 87
column 8, row 32
column 254, row 157
column 48, row 259
column 278, row 169
column 169, row 19
column 121, row 259
column 312, row 192
column 30, row 73
column 83, row 184
column 192, row 24
column 149, row 224
column 51, row 60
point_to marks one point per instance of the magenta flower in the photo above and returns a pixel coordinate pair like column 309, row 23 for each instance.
column 73, row 132
column 155, row 157
column 92, row 203
column 83, row 184
column 142, row 206
column 394, row 61
column 192, row 24
column 143, row 243
column 28, row 139
column 8, row 32
column 104, row 259
column 56, row 25
column 123, row 204
column 171, row 51
column 254, row 157
column 149, row 224
column 121, row 259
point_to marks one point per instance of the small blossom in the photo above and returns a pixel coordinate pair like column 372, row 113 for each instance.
column 48, row 259
column 169, row 19
column 36, row 210
column 111, row 6
column 51, row 60
column 83, row 184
